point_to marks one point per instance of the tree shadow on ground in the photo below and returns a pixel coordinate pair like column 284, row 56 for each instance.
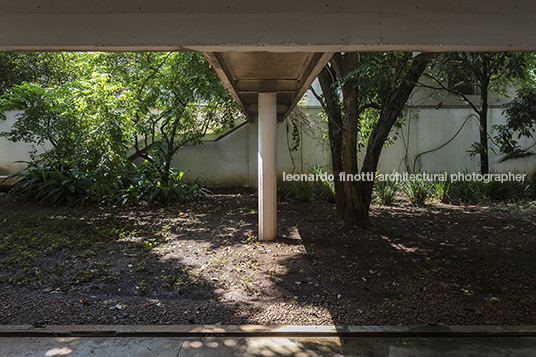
column 200, row 263
column 433, row 265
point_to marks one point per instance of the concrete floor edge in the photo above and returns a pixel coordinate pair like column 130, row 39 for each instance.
column 263, row 331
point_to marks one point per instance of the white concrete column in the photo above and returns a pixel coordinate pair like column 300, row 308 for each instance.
column 267, row 166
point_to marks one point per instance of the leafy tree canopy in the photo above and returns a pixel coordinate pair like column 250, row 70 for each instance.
column 489, row 72
column 44, row 68
column 99, row 109
column 520, row 122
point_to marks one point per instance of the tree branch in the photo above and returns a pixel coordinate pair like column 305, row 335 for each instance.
column 445, row 88
column 324, row 107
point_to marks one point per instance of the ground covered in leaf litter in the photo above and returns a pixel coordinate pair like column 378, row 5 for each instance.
column 200, row 263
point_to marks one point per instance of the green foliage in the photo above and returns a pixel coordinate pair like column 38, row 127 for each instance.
column 386, row 191
column 503, row 191
column 114, row 103
column 144, row 183
column 442, row 190
column 474, row 192
column 487, row 71
column 323, row 188
column 44, row 68
column 54, row 184
column 364, row 92
column 531, row 190
column 418, row 191
column 520, row 122
column 175, row 99
column 308, row 191
column 302, row 191
column 498, row 69
column 374, row 79
column 85, row 122
column 468, row 191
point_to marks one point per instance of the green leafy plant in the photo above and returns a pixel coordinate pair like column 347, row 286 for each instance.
column 64, row 184
column 520, row 122
column 468, row 191
column 386, row 191
column 54, row 184
column 418, row 191
column 478, row 191
column 148, row 104
column 502, row 191
column 308, row 191
column 145, row 183
column 323, row 188
column 442, row 190
column 489, row 72
column 532, row 186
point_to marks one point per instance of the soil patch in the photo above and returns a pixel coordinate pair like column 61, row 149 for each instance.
column 200, row 263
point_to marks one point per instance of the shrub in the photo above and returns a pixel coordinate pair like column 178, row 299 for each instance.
column 303, row 191
column 54, row 184
column 307, row 191
column 418, row 191
column 468, row 191
column 478, row 191
column 532, row 186
column 323, row 188
column 502, row 191
column 386, row 191
column 144, row 183
column 442, row 190
column 57, row 184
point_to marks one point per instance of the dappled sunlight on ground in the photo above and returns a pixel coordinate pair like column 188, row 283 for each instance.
column 200, row 263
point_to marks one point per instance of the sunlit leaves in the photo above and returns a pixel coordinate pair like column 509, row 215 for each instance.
column 94, row 107
column 520, row 121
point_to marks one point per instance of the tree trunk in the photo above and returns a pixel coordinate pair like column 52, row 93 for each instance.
column 393, row 104
column 326, row 79
column 484, row 155
column 353, row 198
column 343, row 133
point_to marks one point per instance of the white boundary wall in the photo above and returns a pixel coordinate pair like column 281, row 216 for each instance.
column 431, row 129
column 232, row 160
column 11, row 152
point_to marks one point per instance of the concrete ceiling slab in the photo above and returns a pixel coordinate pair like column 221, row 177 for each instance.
column 238, row 35
column 267, row 65
column 246, row 74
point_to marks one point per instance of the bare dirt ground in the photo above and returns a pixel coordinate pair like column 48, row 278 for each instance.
column 200, row 263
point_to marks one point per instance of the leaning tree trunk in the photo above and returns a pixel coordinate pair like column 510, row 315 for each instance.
column 353, row 198
column 343, row 133
column 335, row 136
column 484, row 154
column 393, row 103
column 353, row 210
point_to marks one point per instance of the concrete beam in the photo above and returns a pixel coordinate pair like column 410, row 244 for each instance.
column 266, row 85
column 255, row 108
column 284, row 26
column 289, row 74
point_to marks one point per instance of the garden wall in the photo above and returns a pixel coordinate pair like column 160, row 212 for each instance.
column 11, row 152
column 231, row 160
